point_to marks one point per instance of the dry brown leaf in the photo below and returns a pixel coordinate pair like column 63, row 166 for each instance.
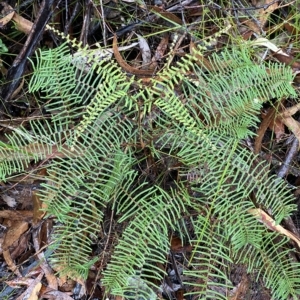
column 180, row 294
column 51, row 279
column 276, row 125
column 19, row 282
column 10, row 263
column 165, row 14
column 15, row 230
column 278, row 53
column 241, row 290
column 16, row 215
column 264, row 13
column 290, row 111
column 38, row 207
column 10, row 201
column 21, row 247
column 126, row 66
column 21, row 23
column 159, row 52
column 271, row 224
column 45, row 231
column 8, row 17
column 289, row 27
column 35, row 292
column 260, row 16
column 33, row 289
column 68, row 285
column 288, row 60
column 176, row 244
column 24, row 281
column 264, row 125
column 293, row 125
column 145, row 50
column 50, row 294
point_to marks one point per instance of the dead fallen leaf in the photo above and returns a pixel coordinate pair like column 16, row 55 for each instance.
column 33, row 289
column 290, row 111
column 176, row 244
column 159, row 52
column 21, row 23
column 51, row 279
column 276, row 125
column 258, row 17
column 260, row 134
column 35, row 292
column 19, row 282
column 290, row 27
column 50, row 294
column 10, row 201
column 38, row 207
column 126, row 66
column 271, row 224
column 292, row 125
column 241, row 290
column 7, row 17
column 179, row 294
column 263, row 14
column 267, row 119
column 15, row 215
column 278, row 53
column 268, row 44
column 288, row 60
column 145, row 50
column 168, row 16
column 15, row 230
column 21, row 247
column 289, row 121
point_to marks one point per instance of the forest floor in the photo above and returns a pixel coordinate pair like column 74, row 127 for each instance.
column 154, row 35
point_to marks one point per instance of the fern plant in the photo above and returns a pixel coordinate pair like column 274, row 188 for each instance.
column 102, row 122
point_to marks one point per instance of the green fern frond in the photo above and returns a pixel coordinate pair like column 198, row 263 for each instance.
column 47, row 69
column 230, row 201
column 46, row 139
column 79, row 94
column 189, row 114
column 144, row 242
column 244, row 176
column 211, row 256
column 78, row 189
column 227, row 98
column 274, row 264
